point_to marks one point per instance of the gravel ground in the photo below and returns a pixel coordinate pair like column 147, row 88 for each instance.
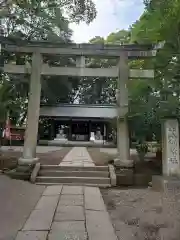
column 9, row 158
column 141, row 214
column 17, row 200
column 54, row 157
column 39, row 149
column 100, row 158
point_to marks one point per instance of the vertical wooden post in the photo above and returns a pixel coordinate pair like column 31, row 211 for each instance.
column 29, row 150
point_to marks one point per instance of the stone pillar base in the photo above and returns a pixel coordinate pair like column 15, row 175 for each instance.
column 124, row 176
column 165, row 184
column 21, row 172
column 124, row 172
column 123, row 163
column 27, row 161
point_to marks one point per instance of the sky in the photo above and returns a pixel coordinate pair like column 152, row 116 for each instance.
column 112, row 16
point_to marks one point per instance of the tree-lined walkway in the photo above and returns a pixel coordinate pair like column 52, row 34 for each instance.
column 69, row 212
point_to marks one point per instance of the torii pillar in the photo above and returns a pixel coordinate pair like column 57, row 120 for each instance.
column 123, row 159
column 30, row 142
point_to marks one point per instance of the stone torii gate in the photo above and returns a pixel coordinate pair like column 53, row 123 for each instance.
column 122, row 72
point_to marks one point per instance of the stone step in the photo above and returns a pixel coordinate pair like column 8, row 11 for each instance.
column 74, row 184
column 84, row 180
column 74, row 168
column 54, row 173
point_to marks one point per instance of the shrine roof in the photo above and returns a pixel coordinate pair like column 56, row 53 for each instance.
column 79, row 111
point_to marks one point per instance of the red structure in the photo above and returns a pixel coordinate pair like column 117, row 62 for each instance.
column 13, row 133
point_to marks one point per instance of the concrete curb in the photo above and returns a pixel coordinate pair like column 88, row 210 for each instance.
column 35, row 172
column 112, row 175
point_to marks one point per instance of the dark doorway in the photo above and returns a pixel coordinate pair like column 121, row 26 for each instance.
column 80, row 131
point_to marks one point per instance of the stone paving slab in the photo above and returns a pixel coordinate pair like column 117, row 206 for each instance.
column 69, row 213
column 39, row 220
column 72, row 230
column 32, row 235
column 47, row 202
column 69, row 226
column 71, row 200
column 67, row 221
column 70, row 190
column 88, row 164
column 77, row 164
column 78, row 156
column 67, row 236
column 99, row 226
column 52, row 190
column 93, row 199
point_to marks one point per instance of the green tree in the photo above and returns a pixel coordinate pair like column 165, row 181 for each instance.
column 160, row 22
column 102, row 90
column 43, row 20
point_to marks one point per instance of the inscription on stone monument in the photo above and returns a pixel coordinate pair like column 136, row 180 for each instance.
column 172, row 146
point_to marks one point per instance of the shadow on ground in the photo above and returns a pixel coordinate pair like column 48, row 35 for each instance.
column 17, row 200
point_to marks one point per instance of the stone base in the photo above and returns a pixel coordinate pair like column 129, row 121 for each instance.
column 35, row 172
column 27, row 161
column 123, row 163
column 60, row 136
column 124, row 176
column 112, row 175
column 22, row 172
column 124, row 172
column 98, row 142
column 162, row 183
column 60, row 140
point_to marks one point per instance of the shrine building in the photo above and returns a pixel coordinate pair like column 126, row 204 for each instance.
column 77, row 122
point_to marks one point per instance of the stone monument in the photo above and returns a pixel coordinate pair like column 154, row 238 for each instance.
column 60, row 136
column 170, row 157
column 170, row 147
column 98, row 137
column 92, row 137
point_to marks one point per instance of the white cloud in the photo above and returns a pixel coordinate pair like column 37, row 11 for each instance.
column 112, row 16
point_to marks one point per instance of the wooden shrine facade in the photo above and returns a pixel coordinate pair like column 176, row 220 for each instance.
column 78, row 121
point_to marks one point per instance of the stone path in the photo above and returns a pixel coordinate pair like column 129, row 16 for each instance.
column 78, row 157
column 69, row 213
